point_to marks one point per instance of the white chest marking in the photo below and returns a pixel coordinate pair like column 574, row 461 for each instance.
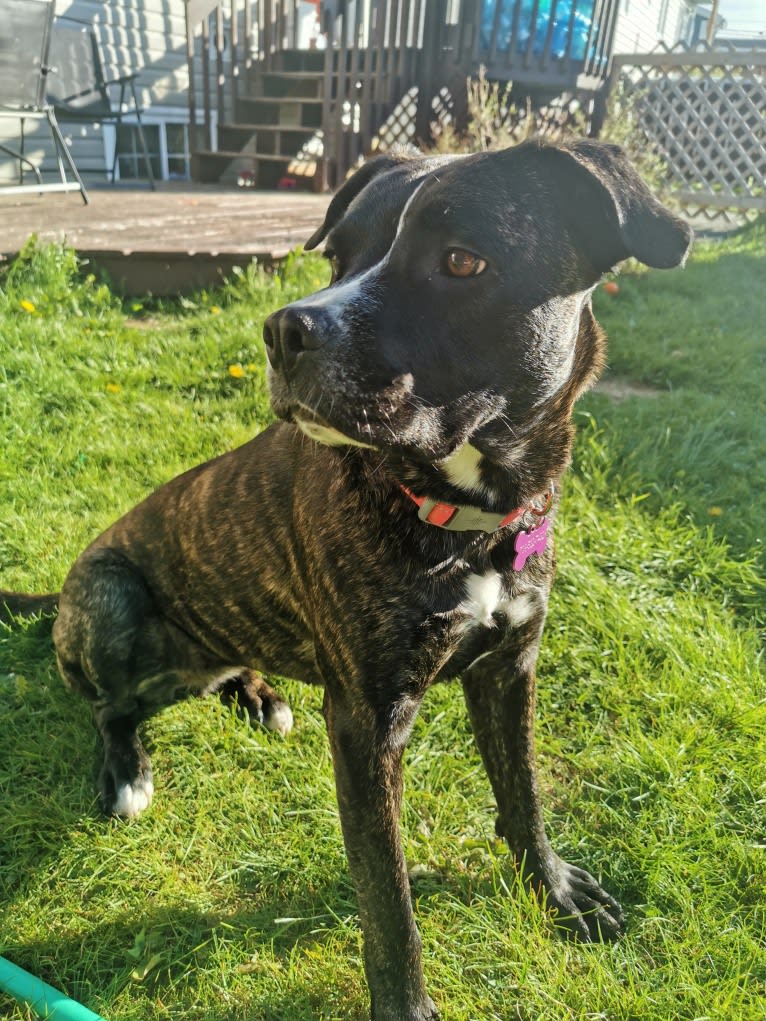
column 462, row 468
column 485, row 596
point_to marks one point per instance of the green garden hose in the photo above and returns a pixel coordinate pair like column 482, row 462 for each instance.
column 44, row 1000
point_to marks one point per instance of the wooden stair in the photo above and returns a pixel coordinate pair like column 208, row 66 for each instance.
column 274, row 138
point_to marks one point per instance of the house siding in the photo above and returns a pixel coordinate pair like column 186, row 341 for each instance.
column 148, row 38
column 642, row 24
column 143, row 37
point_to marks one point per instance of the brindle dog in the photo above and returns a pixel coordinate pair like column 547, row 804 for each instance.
column 394, row 529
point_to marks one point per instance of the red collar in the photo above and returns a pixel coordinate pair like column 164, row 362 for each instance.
column 463, row 518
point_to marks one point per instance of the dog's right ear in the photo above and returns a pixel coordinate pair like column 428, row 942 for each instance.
column 611, row 208
column 353, row 186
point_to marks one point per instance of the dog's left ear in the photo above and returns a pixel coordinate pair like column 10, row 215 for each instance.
column 612, row 211
column 355, row 184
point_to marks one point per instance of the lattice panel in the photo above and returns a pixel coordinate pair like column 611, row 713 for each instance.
column 707, row 122
column 558, row 119
column 399, row 126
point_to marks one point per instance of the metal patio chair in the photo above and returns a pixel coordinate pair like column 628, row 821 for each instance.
column 25, row 34
column 78, row 90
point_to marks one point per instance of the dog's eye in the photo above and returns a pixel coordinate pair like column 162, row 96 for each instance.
column 461, row 263
column 334, row 261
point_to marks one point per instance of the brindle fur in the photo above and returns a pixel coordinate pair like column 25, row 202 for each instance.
column 292, row 557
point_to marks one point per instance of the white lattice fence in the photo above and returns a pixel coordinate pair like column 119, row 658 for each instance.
column 704, row 112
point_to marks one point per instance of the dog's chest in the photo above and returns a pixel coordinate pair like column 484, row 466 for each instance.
column 481, row 620
column 487, row 603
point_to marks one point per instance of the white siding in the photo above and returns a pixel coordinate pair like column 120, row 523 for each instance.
column 642, row 24
column 145, row 37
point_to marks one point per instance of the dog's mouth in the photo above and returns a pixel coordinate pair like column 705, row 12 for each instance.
column 391, row 418
column 328, row 435
column 343, row 415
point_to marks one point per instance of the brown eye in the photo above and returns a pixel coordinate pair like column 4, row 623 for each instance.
column 334, row 261
column 461, row 263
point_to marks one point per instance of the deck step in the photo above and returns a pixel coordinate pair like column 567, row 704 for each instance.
column 263, row 143
column 298, row 60
column 284, row 112
column 265, row 139
column 255, row 170
column 287, row 85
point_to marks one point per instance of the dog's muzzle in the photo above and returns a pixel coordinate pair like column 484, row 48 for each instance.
column 291, row 332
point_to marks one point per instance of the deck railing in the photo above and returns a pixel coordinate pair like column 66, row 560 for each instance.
column 546, row 42
column 376, row 51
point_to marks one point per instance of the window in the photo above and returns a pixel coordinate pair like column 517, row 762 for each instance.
column 130, row 161
column 177, row 152
column 169, row 152
column 661, row 23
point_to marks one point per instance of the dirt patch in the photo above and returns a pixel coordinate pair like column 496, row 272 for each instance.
column 620, row 389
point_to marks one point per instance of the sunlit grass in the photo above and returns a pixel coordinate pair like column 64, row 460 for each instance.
column 230, row 899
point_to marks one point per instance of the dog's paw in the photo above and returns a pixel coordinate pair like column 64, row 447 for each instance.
column 582, row 910
column 128, row 800
column 259, row 700
column 277, row 715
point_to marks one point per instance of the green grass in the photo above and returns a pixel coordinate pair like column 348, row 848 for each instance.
column 230, row 899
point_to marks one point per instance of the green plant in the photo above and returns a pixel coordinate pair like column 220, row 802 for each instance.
column 495, row 121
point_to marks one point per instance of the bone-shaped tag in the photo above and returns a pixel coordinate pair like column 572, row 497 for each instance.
column 527, row 543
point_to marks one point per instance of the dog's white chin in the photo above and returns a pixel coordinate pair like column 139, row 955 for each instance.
column 327, row 435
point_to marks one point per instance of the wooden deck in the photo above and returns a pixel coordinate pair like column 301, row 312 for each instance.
column 174, row 240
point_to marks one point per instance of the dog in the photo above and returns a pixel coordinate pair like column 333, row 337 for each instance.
column 395, row 527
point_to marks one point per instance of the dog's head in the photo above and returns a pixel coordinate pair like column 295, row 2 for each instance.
column 459, row 290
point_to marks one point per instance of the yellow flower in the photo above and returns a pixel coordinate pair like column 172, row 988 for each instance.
column 113, row 388
column 715, row 512
column 214, row 310
column 28, row 306
column 236, row 371
column 251, row 367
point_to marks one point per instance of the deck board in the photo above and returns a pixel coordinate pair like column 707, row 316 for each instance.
column 174, row 240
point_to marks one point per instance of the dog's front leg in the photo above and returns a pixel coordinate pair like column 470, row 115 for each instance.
column 367, row 748
column 501, row 706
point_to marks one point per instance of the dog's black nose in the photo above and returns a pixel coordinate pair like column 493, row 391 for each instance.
column 288, row 333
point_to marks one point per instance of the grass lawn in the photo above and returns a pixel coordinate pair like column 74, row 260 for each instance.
column 230, row 899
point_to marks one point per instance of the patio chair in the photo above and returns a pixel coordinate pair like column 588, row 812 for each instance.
column 78, row 90
column 25, row 33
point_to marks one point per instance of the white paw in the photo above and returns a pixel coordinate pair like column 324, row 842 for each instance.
column 132, row 799
column 280, row 718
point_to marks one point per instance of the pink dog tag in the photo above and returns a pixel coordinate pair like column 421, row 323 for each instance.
column 527, row 543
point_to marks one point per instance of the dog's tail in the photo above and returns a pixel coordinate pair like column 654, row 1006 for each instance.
column 21, row 604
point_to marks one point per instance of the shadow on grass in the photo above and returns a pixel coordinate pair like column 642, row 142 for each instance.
column 47, row 753
column 175, row 956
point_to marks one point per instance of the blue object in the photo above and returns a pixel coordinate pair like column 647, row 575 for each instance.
column 43, row 999
column 562, row 16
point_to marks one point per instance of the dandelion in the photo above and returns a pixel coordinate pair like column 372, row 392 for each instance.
column 113, row 388
column 251, row 367
column 236, row 371
column 28, row 306
column 215, row 310
column 715, row 512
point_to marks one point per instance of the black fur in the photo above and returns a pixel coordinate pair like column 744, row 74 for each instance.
column 299, row 558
